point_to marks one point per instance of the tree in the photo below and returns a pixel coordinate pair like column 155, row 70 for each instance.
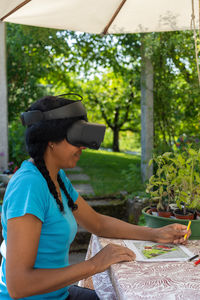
column 34, row 56
column 176, row 90
column 118, row 102
column 119, row 53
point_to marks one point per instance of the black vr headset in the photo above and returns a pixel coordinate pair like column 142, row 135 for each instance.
column 81, row 132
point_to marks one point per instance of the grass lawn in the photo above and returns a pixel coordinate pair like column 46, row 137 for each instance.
column 109, row 171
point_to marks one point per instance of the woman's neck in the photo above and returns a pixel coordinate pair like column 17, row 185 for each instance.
column 51, row 167
column 53, row 172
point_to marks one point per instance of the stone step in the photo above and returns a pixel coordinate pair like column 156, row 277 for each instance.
column 76, row 257
column 111, row 207
column 78, row 177
column 84, row 189
column 75, row 169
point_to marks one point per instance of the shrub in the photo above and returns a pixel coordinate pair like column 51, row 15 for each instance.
column 17, row 148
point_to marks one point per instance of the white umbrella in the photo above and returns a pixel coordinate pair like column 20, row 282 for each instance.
column 101, row 16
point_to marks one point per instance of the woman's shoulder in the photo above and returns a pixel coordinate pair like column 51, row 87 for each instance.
column 28, row 177
column 27, row 171
column 27, row 192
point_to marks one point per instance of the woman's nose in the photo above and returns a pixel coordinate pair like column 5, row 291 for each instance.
column 82, row 147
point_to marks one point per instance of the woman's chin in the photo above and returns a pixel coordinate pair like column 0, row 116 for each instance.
column 72, row 165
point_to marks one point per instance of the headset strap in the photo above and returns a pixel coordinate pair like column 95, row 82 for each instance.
column 71, row 110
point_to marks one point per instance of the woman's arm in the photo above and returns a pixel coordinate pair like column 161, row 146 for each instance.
column 23, row 234
column 106, row 226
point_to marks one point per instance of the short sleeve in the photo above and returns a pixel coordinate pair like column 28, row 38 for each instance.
column 70, row 189
column 26, row 195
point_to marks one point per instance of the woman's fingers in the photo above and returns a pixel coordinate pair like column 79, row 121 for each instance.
column 119, row 253
column 182, row 234
column 173, row 233
column 112, row 254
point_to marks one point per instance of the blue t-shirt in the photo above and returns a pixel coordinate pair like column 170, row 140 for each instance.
column 28, row 192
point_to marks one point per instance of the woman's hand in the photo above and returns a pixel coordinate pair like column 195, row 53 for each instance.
column 173, row 233
column 109, row 255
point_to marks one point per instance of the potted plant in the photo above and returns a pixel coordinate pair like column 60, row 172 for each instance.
column 188, row 183
column 161, row 186
column 176, row 182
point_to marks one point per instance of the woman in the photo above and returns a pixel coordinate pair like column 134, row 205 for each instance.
column 41, row 210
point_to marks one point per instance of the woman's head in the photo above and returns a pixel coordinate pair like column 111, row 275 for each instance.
column 39, row 134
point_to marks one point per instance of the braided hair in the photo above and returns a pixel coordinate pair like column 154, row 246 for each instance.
column 39, row 134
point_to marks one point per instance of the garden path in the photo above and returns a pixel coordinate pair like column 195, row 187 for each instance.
column 80, row 181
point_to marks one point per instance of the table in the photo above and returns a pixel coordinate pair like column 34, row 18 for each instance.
column 145, row 281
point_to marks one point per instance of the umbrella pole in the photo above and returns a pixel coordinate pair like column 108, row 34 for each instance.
column 3, row 101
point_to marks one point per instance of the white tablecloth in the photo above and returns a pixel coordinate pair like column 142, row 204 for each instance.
column 145, row 281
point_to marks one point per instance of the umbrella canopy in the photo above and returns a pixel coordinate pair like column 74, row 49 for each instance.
column 101, row 16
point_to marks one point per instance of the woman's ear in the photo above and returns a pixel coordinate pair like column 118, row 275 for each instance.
column 50, row 145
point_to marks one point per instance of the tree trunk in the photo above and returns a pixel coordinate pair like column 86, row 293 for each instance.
column 146, row 115
column 116, row 140
column 3, row 101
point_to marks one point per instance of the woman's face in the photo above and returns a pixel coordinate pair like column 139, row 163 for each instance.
column 64, row 155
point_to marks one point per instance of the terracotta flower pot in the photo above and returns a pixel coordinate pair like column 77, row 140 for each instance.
column 164, row 214
column 179, row 215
